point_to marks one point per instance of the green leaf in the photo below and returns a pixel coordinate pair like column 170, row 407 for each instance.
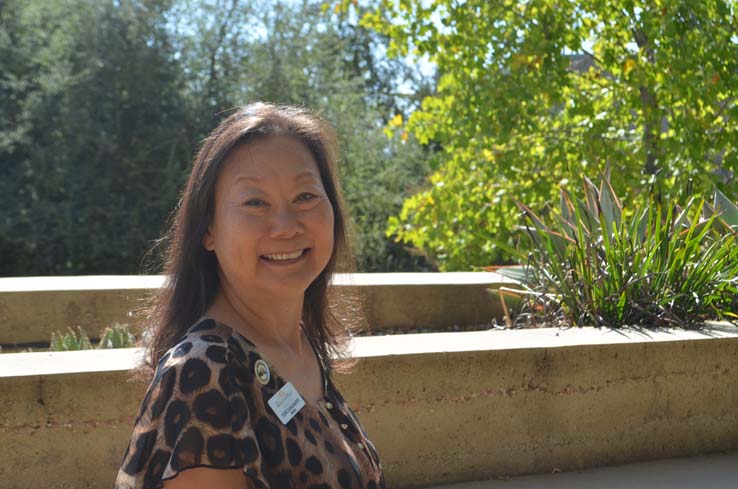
column 728, row 210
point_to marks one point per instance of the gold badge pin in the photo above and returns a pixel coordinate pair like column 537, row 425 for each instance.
column 261, row 370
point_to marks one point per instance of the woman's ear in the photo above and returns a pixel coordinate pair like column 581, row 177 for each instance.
column 207, row 240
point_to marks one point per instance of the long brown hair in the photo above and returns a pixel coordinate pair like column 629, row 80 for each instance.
column 192, row 271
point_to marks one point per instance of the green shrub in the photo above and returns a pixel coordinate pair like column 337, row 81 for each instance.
column 664, row 265
column 116, row 336
column 70, row 341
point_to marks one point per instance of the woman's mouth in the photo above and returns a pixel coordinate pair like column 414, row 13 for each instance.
column 286, row 258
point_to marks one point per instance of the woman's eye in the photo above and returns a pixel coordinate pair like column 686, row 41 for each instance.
column 305, row 197
column 254, row 202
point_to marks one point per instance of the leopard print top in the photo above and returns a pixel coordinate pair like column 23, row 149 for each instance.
column 206, row 407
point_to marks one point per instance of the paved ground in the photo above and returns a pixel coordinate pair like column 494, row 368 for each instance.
column 704, row 472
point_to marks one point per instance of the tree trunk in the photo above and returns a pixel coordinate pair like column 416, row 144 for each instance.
column 651, row 122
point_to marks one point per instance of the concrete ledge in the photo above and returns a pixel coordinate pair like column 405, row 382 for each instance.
column 441, row 407
column 31, row 308
column 69, row 362
column 715, row 471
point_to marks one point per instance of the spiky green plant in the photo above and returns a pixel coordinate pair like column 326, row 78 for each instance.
column 663, row 265
column 727, row 219
column 70, row 341
column 725, row 211
column 116, row 336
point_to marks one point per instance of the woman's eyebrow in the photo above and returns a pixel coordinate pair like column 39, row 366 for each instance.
column 300, row 176
column 305, row 174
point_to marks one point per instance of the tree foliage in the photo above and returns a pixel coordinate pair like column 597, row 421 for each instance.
column 536, row 93
column 102, row 105
column 90, row 143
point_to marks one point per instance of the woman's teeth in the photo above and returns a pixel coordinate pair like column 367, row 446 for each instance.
column 284, row 256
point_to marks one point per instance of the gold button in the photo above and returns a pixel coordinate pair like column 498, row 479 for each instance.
column 261, row 370
column 344, row 426
column 329, row 405
column 360, row 445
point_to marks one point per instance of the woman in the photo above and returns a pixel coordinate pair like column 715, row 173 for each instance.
column 242, row 394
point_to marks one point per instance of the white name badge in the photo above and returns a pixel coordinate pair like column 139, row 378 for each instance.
column 286, row 403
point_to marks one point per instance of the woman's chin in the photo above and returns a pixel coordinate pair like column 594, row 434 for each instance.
column 287, row 284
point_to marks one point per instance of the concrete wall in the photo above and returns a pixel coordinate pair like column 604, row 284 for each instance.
column 31, row 308
column 440, row 407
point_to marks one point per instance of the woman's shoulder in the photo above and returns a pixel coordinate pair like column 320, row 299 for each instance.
column 208, row 356
column 196, row 412
column 207, row 341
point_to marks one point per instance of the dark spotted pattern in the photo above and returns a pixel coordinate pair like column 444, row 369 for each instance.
column 314, row 465
column 189, row 448
column 216, row 354
column 344, row 479
column 270, row 441
column 157, row 464
column 164, row 392
column 220, row 450
column 205, row 408
column 195, row 374
column 329, row 448
column 178, row 415
column 212, row 408
column 309, row 437
column 292, row 426
column 182, row 349
column 294, row 454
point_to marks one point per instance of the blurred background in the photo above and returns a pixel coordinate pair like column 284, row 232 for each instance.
column 104, row 103
column 445, row 112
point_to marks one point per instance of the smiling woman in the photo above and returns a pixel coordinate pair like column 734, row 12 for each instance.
column 243, row 343
column 273, row 225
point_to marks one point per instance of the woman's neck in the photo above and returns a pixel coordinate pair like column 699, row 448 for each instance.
column 267, row 321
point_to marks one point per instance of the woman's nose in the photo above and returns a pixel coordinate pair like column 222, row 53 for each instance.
column 285, row 223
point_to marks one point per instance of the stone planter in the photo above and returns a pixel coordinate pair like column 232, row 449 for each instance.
column 440, row 407
column 31, row 308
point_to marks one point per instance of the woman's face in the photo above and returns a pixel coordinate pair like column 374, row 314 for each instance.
column 272, row 227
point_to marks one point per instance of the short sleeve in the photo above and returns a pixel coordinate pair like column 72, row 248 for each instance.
column 193, row 415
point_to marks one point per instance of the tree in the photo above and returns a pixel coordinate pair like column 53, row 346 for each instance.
column 304, row 54
column 535, row 93
column 102, row 105
column 91, row 150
